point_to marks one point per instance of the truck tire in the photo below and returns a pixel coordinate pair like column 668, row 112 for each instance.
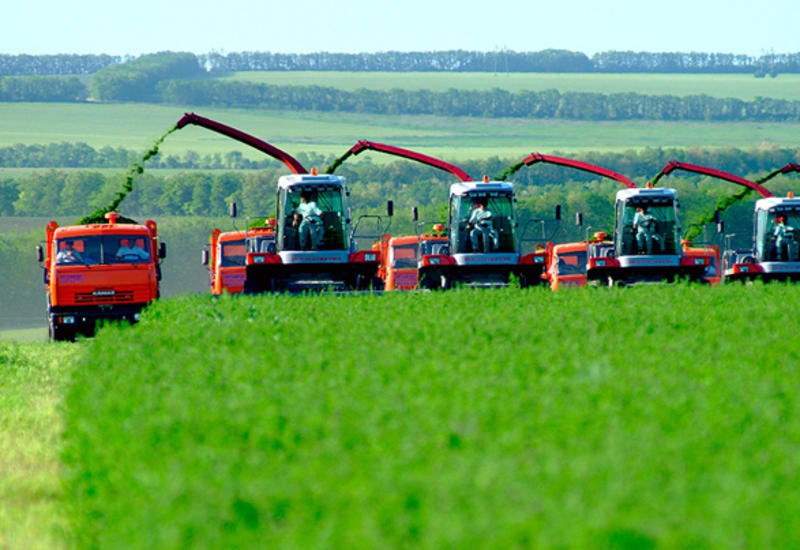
column 60, row 334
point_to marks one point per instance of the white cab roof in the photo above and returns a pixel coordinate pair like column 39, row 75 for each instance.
column 772, row 202
column 466, row 187
column 286, row 182
column 657, row 192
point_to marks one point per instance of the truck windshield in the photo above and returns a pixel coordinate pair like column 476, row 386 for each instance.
column 404, row 256
column 648, row 227
column 572, row 263
column 779, row 231
column 103, row 249
column 232, row 253
column 483, row 222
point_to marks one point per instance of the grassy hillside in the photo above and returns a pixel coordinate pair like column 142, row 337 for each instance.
column 741, row 86
column 642, row 418
column 136, row 126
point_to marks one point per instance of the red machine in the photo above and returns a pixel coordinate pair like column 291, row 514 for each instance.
column 775, row 254
column 315, row 255
column 97, row 272
column 483, row 253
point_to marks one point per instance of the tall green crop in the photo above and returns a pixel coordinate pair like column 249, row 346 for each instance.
column 647, row 417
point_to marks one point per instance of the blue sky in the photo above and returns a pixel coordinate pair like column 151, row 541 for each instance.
column 201, row 26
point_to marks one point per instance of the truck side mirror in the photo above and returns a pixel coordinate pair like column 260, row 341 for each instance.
column 415, row 214
column 232, row 210
column 162, row 250
column 39, row 253
column 390, row 208
column 558, row 212
column 204, row 257
column 579, row 219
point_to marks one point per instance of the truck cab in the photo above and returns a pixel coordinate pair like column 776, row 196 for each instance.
column 226, row 256
column 401, row 257
column 98, row 272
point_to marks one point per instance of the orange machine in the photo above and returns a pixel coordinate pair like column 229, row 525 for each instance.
column 713, row 273
column 226, row 256
column 400, row 257
column 99, row 271
column 566, row 262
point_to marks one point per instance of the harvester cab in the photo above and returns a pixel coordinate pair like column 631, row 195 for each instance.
column 775, row 254
column 314, row 244
column 646, row 244
column 482, row 249
column 776, row 221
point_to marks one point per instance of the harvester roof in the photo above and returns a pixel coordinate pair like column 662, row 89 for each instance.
column 309, row 180
column 646, row 195
column 778, row 204
column 472, row 187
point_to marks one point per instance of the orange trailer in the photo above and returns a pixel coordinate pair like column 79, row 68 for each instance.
column 99, row 271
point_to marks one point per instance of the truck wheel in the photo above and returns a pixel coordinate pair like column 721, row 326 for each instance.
column 60, row 334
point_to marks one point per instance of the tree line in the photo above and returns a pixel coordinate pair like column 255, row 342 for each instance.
column 551, row 60
column 478, row 103
column 201, row 192
column 178, row 78
column 42, row 89
column 633, row 163
column 147, row 87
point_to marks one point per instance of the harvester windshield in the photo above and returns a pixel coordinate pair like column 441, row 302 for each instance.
column 313, row 217
column 778, row 231
column 647, row 225
column 103, row 249
column 261, row 243
column 492, row 231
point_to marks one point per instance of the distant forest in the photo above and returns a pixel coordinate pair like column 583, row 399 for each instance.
column 559, row 61
column 181, row 78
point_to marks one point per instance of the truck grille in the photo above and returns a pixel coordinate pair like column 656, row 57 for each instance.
column 104, row 296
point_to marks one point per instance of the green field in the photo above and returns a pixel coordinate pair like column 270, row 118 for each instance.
column 136, row 126
column 638, row 418
column 33, row 380
column 742, row 86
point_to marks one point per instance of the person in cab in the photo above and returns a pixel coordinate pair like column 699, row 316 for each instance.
column 308, row 222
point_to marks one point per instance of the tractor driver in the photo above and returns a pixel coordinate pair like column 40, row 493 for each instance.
column 644, row 224
column 784, row 237
column 308, row 222
column 480, row 222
